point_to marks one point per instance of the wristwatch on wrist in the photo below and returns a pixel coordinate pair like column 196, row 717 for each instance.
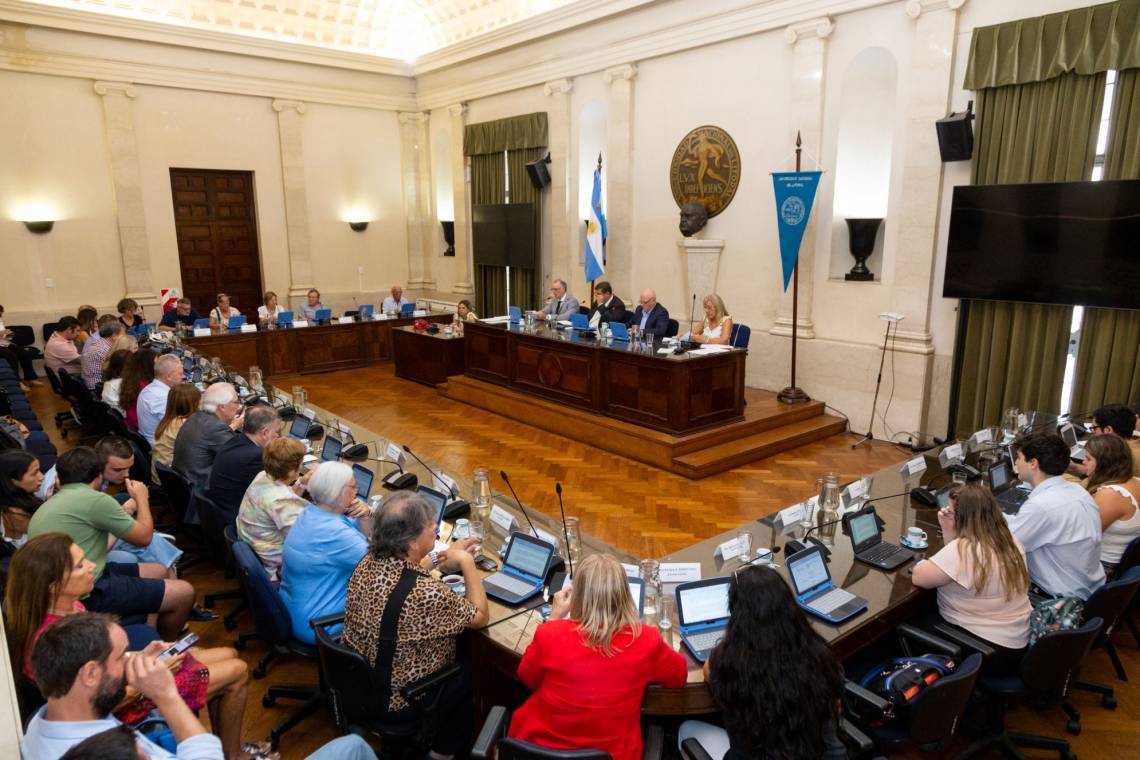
column 434, row 557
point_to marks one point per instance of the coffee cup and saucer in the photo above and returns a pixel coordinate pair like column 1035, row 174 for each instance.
column 915, row 538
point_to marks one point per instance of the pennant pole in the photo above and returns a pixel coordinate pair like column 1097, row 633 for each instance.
column 590, row 283
column 793, row 394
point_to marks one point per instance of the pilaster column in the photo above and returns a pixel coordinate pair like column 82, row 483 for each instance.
column 291, row 135
column 809, row 59
column 461, row 177
column 416, row 170
column 119, row 123
column 563, row 221
column 618, row 169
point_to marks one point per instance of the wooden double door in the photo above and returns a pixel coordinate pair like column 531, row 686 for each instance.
column 215, row 222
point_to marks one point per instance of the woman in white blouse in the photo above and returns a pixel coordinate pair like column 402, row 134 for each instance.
column 1116, row 490
column 268, row 311
column 220, row 315
column 717, row 325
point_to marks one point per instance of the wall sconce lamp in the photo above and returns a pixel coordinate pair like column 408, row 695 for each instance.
column 39, row 227
column 448, row 236
column 861, row 234
column 358, row 226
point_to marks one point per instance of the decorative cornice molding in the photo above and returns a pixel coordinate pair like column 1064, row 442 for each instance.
column 289, row 105
column 820, row 28
column 558, row 87
column 413, row 117
column 618, row 73
column 457, row 110
column 115, row 88
column 915, row 8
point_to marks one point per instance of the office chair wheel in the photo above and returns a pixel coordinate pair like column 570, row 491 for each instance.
column 260, row 670
column 239, row 643
column 268, row 700
column 230, row 625
column 1067, row 755
column 1108, row 702
column 1073, row 727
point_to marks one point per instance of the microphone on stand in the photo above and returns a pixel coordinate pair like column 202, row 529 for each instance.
column 398, row 480
column 455, row 507
column 556, row 563
column 565, row 530
column 685, row 345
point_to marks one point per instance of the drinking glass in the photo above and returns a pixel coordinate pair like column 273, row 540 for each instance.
column 255, row 378
column 478, row 531
column 299, row 398
column 649, row 340
column 650, row 570
column 665, row 618
column 574, row 537
column 744, row 545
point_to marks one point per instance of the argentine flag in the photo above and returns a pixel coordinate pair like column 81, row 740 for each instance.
column 595, row 231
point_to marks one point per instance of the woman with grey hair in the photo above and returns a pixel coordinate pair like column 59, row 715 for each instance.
column 323, row 547
column 426, row 615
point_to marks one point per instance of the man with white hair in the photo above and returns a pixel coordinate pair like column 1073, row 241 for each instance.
column 152, row 398
column 206, row 431
column 561, row 305
column 396, row 302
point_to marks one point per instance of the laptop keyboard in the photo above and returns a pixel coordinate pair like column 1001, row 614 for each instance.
column 706, row 640
column 510, row 584
column 879, row 552
column 824, row 604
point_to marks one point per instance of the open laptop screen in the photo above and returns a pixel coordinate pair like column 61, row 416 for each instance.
column 864, row 528
column 438, row 502
column 809, row 570
column 528, row 557
column 330, row 452
column 1069, row 433
column 702, row 604
column 1000, row 476
column 300, row 427
column 363, row 477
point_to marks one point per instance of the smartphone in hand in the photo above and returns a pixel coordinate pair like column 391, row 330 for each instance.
column 179, row 646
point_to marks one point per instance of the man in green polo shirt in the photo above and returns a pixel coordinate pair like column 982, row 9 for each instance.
column 90, row 517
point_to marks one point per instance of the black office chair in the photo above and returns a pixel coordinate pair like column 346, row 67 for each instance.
column 1046, row 672
column 358, row 703
column 230, row 620
column 76, row 393
column 1110, row 602
column 493, row 742
column 858, row 744
column 672, row 327
column 1129, row 559
column 47, row 328
column 178, row 493
column 214, row 543
column 118, row 425
column 64, row 421
column 25, row 337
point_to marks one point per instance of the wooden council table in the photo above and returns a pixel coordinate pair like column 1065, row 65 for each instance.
column 428, row 358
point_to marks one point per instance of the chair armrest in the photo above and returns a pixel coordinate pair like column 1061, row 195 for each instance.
column 326, row 620
column 494, row 728
column 415, row 691
column 652, row 743
column 928, row 640
column 964, row 640
column 858, row 743
column 854, row 693
column 691, row 749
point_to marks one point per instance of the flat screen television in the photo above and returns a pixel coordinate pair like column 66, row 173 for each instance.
column 503, row 234
column 1050, row 242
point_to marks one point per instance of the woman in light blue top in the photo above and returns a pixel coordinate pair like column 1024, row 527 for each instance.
column 323, row 548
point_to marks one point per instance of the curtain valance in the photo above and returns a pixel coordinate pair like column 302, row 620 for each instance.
column 514, row 133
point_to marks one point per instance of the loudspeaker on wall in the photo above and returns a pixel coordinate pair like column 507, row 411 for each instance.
column 956, row 135
column 539, row 174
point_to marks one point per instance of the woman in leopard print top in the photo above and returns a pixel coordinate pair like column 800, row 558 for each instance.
column 403, row 536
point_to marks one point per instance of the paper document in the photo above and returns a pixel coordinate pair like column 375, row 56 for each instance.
column 496, row 320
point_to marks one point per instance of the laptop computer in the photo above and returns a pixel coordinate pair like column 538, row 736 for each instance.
column 200, row 324
column 235, row 322
column 702, row 614
column 618, row 331
column 363, row 477
column 1005, row 490
column 636, row 590
column 407, row 309
column 515, row 314
column 299, row 429
column 867, row 541
column 365, row 311
column 579, row 321
column 1076, row 448
column 438, row 503
column 285, row 319
column 322, row 315
column 815, row 592
column 524, row 570
column 330, row 452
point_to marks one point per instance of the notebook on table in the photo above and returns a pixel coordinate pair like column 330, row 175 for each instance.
column 867, row 541
column 524, row 570
column 702, row 614
column 1076, row 448
column 814, row 590
column 1004, row 488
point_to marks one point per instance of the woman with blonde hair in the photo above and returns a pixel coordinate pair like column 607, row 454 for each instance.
column 181, row 402
column 268, row 311
column 981, row 577
column 1115, row 488
column 589, row 666
column 220, row 314
column 716, row 327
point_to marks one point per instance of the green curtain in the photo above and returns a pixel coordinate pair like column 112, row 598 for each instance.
column 489, row 185
column 525, row 282
column 1086, row 41
column 1013, row 354
column 513, row 133
column 1108, row 360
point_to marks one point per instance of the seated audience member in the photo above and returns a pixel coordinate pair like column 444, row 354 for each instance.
column 399, row 556
column 323, row 547
column 394, row 303
column 60, row 352
column 1059, row 524
column 1116, row 491
column 240, row 459
column 90, row 517
column 95, row 352
column 1121, row 421
column 981, row 577
column 716, row 327
column 123, row 342
column 130, row 313
column 312, row 305
column 269, row 309
column 776, row 682
column 183, row 313
column 464, row 312
column 120, row 742
column 650, row 316
column 205, row 432
column 82, row 668
column 607, row 307
column 273, row 502
column 151, row 404
column 561, row 304
column 589, row 666
column 137, row 374
column 20, row 478
column 180, row 404
column 220, row 314
column 17, row 356
column 46, row 583
column 113, row 379
column 86, row 317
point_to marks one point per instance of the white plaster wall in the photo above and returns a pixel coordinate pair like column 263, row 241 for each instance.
column 445, row 269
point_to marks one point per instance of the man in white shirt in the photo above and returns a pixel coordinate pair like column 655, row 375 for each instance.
column 1059, row 525
column 152, row 398
column 82, row 667
column 394, row 303
column 561, row 305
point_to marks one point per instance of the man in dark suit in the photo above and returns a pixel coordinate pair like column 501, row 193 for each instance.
column 649, row 315
column 240, row 459
column 607, row 307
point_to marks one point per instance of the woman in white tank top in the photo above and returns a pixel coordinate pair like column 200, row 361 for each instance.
column 1116, row 490
column 717, row 325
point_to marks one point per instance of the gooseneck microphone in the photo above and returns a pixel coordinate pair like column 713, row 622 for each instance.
column 565, row 530
column 693, row 316
column 398, row 480
column 456, row 507
column 503, row 475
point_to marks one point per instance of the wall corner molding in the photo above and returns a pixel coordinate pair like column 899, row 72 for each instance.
column 816, row 28
column 915, row 8
column 115, row 88
column 289, row 105
column 558, row 87
column 618, row 73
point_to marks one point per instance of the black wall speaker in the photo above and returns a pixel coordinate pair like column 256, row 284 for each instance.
column 956, row 135
column 539, row 174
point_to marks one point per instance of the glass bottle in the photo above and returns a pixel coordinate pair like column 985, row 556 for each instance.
column 829, row 509
column 482, row 506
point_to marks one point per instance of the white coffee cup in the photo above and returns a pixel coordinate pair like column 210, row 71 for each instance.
column 915, row 536
column 454, row 582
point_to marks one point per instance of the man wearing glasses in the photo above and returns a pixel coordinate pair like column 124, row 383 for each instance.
column 206, row 431
column 1119, row 420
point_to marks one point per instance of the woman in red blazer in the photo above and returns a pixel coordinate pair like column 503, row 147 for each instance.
column 589, row 666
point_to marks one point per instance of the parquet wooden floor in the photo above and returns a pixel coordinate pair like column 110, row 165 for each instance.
column 643, row 510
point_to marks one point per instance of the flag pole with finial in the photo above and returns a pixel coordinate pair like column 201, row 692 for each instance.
column 793, row 394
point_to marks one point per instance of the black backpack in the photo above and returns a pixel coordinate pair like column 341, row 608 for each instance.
column 901, row 680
